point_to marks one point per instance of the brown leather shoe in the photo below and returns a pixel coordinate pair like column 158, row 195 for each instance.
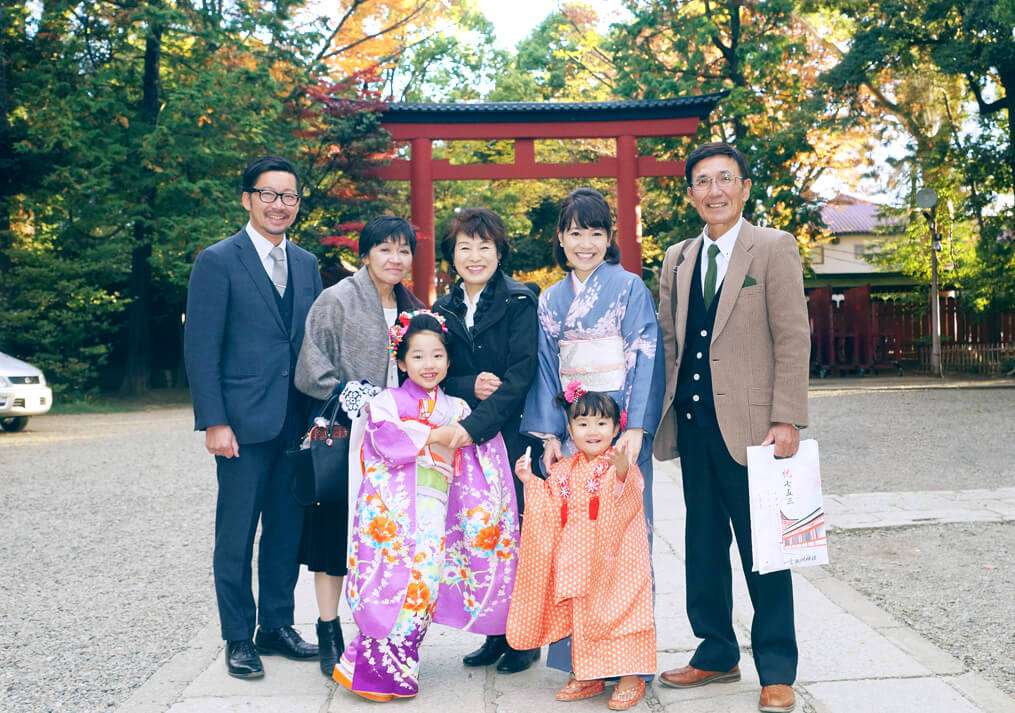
column 777, row 699
column 691, row 677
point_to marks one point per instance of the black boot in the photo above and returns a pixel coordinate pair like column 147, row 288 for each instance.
column 488, row 653
column 516, row 660
column 330, row 643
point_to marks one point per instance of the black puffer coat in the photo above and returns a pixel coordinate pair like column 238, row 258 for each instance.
column 502, row 341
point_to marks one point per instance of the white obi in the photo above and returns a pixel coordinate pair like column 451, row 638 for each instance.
column 597, row 363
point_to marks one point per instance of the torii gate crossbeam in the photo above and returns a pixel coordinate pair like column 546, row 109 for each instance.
column 624, row 121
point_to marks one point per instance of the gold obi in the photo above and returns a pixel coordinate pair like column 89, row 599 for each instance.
column 597, row 363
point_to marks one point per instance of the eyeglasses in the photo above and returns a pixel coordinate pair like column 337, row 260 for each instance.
column 269, row 196
column 725, row 179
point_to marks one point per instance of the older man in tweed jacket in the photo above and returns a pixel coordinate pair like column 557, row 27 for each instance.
column 737, row 343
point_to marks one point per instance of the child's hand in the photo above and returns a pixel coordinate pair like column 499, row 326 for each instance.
column 621, row 463
column 523, row 467
column 459, row 436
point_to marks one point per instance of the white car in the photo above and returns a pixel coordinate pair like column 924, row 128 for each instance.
column 23, row 393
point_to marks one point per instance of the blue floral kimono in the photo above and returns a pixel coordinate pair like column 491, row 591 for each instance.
column 604, row 334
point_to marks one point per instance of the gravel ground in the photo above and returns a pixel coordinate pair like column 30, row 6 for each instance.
column 105, row 556
column 105, row 551
column 952, row 583
column 890, row 441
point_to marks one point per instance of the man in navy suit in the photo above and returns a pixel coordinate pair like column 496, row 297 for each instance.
column 246, row 307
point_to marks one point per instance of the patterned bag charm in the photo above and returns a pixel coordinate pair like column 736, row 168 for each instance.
column 592, row 486
column 564, row 489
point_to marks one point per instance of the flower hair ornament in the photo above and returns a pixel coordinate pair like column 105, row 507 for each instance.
column 574, row 391
column 397, row 331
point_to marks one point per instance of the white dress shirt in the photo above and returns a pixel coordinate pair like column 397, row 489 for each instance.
column 263, row 246
column 725, row 242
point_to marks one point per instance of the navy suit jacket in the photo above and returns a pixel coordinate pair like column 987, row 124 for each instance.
column 238, row 353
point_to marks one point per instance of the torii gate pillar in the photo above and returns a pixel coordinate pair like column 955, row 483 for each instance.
column 628, row 212
column 421, row 201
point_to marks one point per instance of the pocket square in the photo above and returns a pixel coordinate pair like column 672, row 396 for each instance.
column 749, row 281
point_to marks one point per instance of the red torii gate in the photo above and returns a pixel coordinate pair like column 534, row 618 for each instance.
column 625, row 121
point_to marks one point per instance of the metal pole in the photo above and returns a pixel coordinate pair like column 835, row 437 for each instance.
column 935, row 305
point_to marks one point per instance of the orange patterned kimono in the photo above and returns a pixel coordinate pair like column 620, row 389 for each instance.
column 584, row 577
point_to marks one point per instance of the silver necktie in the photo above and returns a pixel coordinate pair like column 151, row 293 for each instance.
column 278, row 271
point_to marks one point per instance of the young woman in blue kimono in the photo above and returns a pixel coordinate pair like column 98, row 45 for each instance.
column 597, row 326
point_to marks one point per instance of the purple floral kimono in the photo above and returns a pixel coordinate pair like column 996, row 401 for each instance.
column 434, row 538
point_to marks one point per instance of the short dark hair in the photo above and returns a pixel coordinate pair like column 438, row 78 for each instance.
column 591, row 403
column 419, row 323
column 716, row 148
column 586, row 208
column 264, row 164
column 480, row 223
column 386, row 229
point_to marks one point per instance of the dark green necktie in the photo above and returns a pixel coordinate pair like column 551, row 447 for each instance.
column 710, row 275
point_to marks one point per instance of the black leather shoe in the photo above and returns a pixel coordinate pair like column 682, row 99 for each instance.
column 330, row 643
column 515, row 660
column 489, row 653
column 242, row 660
column 284, row 641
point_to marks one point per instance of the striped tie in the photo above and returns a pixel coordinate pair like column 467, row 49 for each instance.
column 278, row 272
column 710, row 275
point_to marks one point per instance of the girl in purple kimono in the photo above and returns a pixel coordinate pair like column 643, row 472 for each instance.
column 435, row 530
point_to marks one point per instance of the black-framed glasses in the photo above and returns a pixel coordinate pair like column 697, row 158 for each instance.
column 724, row 179
column 269, row 196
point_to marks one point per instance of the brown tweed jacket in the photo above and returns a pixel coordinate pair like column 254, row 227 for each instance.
column 760, row 349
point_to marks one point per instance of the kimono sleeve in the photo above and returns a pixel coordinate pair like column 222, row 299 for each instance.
column 541, row 414
column 391, row 439
column 646, row 370
column 529, row 617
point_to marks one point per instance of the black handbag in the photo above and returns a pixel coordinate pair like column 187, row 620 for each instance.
column 320, row 463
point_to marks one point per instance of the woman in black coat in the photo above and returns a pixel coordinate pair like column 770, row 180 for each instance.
column 492, row 333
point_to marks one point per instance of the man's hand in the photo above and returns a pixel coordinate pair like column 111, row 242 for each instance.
column 551, row 453
column 786, row 438
column 221, row 441
column 486, row 384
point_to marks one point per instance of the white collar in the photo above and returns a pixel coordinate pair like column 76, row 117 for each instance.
column 262, row 245
column 727, row 240
column 469, row 302
column 578, row 283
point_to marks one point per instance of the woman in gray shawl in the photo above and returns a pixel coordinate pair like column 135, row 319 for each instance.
column 347, row 340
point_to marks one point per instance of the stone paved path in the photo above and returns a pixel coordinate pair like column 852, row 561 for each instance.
column 853, row 656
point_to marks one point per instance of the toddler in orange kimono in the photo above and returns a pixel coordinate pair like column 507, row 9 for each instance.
column 584, row 567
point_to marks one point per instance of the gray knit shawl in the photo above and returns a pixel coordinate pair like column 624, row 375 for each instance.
column 346, row 338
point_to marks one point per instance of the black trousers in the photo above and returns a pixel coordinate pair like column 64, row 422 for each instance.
column 255, row 487
column 716, row 495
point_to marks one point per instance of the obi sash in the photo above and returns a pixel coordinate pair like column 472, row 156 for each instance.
column 597, row 363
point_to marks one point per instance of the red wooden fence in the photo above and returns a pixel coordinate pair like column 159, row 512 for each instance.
column 853, row 333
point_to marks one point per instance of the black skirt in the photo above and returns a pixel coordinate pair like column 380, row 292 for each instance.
column 324, row 540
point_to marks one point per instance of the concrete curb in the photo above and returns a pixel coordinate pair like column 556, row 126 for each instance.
column 972, row 686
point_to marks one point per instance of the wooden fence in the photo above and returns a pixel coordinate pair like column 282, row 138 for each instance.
column 987, row 359
column 854, row 332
